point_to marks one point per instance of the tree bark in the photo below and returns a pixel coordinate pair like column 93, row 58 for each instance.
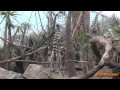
column 105, row 59
column 23, row 36
column 6, row 46
column 108, row 47
column 83, row 25
column 69, row 47
column 86, row 20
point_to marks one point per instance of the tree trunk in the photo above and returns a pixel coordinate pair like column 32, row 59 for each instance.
column 75, row 17
column 23, row 36
column 83, row 26
column 86, row 21
column 69, row 47
column 10, row 39
column 50, row 28
column 5, row 46
column 85, row 29
column 9, row 29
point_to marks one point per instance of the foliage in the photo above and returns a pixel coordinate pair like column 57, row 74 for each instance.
column 82, row 40
column 117, row 29
column 113, row 21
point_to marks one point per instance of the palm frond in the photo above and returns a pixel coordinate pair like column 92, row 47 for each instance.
column 117, row 29
column 113, row 21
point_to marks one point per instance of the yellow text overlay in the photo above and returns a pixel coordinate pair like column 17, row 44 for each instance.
column 107, row 74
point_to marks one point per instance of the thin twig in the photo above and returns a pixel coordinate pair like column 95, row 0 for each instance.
column 30, row 61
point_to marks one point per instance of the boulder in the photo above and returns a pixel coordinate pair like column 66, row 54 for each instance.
column 5, row 74
column 34, row 71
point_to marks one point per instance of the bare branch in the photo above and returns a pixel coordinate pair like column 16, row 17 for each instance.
column 16, row 44
column 30, row 61
column 27, row 54
column 105, row 58
column 99, row 67
column 107, row 43
column 92, row 72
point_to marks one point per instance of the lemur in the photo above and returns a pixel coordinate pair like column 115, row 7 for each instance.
column 55, row 54
column 94, row 27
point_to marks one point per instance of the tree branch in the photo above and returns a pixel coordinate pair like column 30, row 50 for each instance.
column 105, row 58
column 16, row 44
column 27, row 54
column 92, row 72
column 29, row 61
column 107, row 43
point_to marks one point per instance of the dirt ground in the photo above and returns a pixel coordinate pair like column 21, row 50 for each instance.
column 80, row 74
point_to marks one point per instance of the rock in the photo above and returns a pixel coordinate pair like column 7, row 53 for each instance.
column 34, row 71
column 5, row 74
column 19, row 76
column 74, row 77
column 56, row 75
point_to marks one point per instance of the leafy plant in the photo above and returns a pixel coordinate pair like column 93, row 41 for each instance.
column 117, row 29
column 113, row 21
